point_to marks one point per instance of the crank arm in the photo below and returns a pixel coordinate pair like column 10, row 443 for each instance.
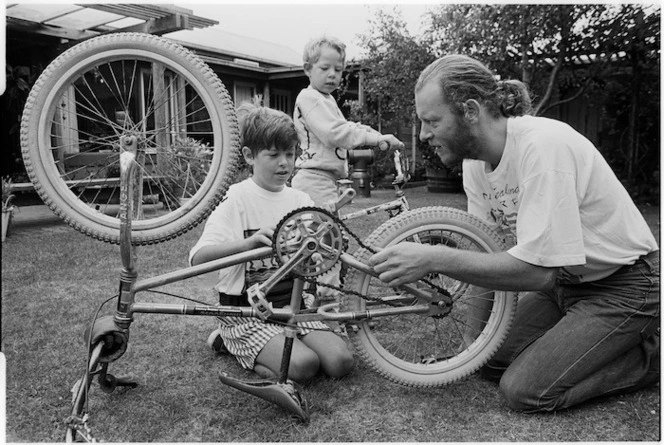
column 286, row 395
column 285, row 269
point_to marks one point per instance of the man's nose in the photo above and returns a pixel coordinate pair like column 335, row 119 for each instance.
column 425, row 134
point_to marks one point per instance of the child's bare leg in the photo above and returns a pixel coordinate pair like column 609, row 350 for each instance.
column 304, row 362
column 336, row 360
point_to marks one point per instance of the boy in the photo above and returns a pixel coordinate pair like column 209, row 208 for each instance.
column 325, row 135
column 245, row 220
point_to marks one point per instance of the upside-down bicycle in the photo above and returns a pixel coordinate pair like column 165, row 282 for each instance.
column 100, row 133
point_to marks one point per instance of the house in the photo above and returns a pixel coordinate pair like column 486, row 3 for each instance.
column 37, row 34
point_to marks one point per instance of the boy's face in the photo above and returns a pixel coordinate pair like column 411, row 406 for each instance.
column 272, row 167
column 325, row 74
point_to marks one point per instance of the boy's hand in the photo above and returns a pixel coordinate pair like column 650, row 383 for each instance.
column 389, row 141
column 261, row 238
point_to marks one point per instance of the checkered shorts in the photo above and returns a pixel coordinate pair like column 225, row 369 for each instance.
column 246, row 337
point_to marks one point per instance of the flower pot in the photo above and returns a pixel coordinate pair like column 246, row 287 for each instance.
column 6, row 220
column 443, row 181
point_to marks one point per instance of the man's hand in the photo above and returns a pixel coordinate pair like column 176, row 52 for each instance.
column 402, row 263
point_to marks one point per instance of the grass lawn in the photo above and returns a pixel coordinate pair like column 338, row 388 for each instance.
column 54, row 279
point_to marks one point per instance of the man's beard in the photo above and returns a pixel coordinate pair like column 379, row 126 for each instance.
column 462, row 144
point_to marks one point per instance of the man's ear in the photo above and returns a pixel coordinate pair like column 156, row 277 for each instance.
column 471, row 110
column 248, row 155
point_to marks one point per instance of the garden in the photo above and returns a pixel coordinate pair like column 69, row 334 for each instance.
column 50, row 298
column 56, row 280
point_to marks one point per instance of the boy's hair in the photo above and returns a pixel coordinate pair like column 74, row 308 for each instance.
column 461, row 78
column 261, row 127
column 313, row 48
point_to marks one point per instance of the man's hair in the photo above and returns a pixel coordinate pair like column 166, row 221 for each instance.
column 462, row 78
column 261, row 127
column 313, row 49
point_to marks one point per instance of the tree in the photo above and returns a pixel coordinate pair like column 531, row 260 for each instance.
column 605, row 54
column 533, row 43
column 390, row 70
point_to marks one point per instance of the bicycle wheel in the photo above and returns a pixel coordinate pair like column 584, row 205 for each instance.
column 139, row 85
column 442, row 345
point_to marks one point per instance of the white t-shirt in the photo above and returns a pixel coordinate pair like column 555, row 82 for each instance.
column 245, row 209
column 557, row 199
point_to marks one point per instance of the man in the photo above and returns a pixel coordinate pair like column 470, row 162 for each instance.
column 588, row 323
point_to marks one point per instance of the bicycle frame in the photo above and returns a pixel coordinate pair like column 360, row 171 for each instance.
column 284, row 392
column 398, row 205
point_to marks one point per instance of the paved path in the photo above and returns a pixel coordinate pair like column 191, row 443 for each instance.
column 28, row 219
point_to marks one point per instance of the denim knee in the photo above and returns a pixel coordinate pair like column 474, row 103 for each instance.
column 524, row 394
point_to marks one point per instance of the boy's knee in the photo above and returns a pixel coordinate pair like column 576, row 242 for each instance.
column 341, row 365
column 304, row 366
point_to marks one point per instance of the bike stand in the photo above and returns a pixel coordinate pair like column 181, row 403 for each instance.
column 287, row 395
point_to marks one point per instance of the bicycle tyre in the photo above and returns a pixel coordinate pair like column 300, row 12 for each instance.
column 129, row 83
column 424, row 350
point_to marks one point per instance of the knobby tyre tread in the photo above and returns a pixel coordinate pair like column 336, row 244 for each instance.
column 96, row 54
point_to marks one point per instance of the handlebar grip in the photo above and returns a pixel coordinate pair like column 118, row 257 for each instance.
column 383, row 145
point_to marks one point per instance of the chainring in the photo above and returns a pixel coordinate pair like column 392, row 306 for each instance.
column 306, row 225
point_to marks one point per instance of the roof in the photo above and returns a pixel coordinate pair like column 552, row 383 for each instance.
column 215, row 39
column 76, row 22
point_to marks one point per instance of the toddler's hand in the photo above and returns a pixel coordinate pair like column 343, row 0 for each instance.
column 390, row 141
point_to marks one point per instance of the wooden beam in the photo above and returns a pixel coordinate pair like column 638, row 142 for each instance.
column 53, row 31
column 164, row 25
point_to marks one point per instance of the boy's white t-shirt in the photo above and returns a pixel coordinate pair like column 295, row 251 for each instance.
column 555, row 196
column 245, row 209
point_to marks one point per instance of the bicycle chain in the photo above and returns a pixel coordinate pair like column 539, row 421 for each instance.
column 359, row 241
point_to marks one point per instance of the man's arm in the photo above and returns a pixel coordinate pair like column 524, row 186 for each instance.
column 408, row 262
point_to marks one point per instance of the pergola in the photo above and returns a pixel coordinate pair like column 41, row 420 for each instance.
column 78, row 22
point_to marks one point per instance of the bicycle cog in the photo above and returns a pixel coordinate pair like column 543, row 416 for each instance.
column 306, row 225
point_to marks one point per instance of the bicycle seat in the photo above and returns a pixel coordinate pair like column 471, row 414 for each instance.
column 286, row 395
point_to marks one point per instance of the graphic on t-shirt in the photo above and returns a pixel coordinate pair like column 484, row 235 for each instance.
column 505, row 225
column 306, row 155
column 257, row 271
column 504, row 206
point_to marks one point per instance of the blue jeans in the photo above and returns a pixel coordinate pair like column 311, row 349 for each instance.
column 581, row 341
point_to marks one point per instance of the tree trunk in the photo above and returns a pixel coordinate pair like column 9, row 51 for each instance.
column 633, row 155
column 414, row 144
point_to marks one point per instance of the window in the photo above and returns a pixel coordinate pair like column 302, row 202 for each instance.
column 281, row 100
column 244, row 92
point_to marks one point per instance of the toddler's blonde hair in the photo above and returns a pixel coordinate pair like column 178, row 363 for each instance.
column 312, row 49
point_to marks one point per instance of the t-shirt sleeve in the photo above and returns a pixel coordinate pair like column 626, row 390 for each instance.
column 324, row 119
column 224, row 224
column 549, row 231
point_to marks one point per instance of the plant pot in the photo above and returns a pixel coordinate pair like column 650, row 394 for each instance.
column 443, row 181
column 6, row 221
